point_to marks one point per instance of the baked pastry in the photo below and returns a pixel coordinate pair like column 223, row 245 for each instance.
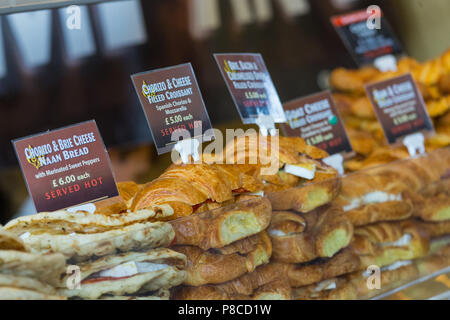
column 352, row 81
column 81, row 235
column 385, row 243
column 14, row 287
column 354, row 286
column 129, row 273
column 182, row 189
column 384, row 193
column 378, row 156
column 435, row 229
column 223, row 226
column 432, row 203
column 8, row 241
column 222, row 265
column 362, row 142
column 299, row 275
column 27, row 276
column 276, row 290
column 293, row 173
column 301, row 238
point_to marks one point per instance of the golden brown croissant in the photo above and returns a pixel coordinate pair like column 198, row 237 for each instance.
column 210, row 267
column 276, row 290
column 320, row 233
column 184, row 188
column 223, row 226
column 385, row 243
column 354, row 286
column 436, row 229
column 299, row 275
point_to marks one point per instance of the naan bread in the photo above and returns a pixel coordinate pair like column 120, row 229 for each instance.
column 47, row 267
column 9, row 241
column 64, row 222
column 80, row 246
column 94, row 286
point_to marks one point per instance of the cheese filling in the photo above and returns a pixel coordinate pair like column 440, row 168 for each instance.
column 372, row 197
column 277, row 233
column 396, row 265
column 131, row 268
column 403, row 241
column 257, row 193
column 24, row 235
column 326, row 285
column 305, row 171
column 392, row 267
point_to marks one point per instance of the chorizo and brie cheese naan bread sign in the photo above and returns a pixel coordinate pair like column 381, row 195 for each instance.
column 66, row 167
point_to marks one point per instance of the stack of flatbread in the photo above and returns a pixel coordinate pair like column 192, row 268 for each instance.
column 115, row 253
column 25, row 275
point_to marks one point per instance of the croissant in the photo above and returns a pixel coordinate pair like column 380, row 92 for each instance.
column 184, row 188
column 209, row 267
column 300, row 275
column 386, row 193
column 276, row 290
column 436, row 229
column 354, row 286
column 223, row 226
column 385, row 243
column 433, row 202
column 301, row 238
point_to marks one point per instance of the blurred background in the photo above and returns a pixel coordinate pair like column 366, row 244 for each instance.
column 52, row 76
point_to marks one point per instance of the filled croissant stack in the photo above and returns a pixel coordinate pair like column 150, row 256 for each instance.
column 396, row 228
column 304, row 238
column 365, row 133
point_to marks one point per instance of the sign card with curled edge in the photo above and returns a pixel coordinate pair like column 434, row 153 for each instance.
column 66, row 167
column 316, row 119
column 251, row 88
column 401, row 110
column 173, row 105
column 365, row 39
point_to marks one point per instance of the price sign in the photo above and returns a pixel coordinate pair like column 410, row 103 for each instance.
column 66, row 167
column 251, row 86
column 365, row 39
column 316, row 120
column 399, row 107
column 172, row 103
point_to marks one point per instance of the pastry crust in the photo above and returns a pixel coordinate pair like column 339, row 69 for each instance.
column 298, row 239
column 299, row 275
column 354, row 286
column 433, row 202
column 276, row 290
column 223, row 226
column 384, row 243
column 209, row 267
column 436, row 229
column 306, row 198
column 255, row 155
column 9, row 241
column 93, row 287
column 185, row 187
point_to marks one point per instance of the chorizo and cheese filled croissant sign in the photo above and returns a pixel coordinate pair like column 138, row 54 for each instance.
column 66, row 167
column 367, row 35
column 251, row 86
column 399, row 107
column 173, row 105
column 316, row 120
